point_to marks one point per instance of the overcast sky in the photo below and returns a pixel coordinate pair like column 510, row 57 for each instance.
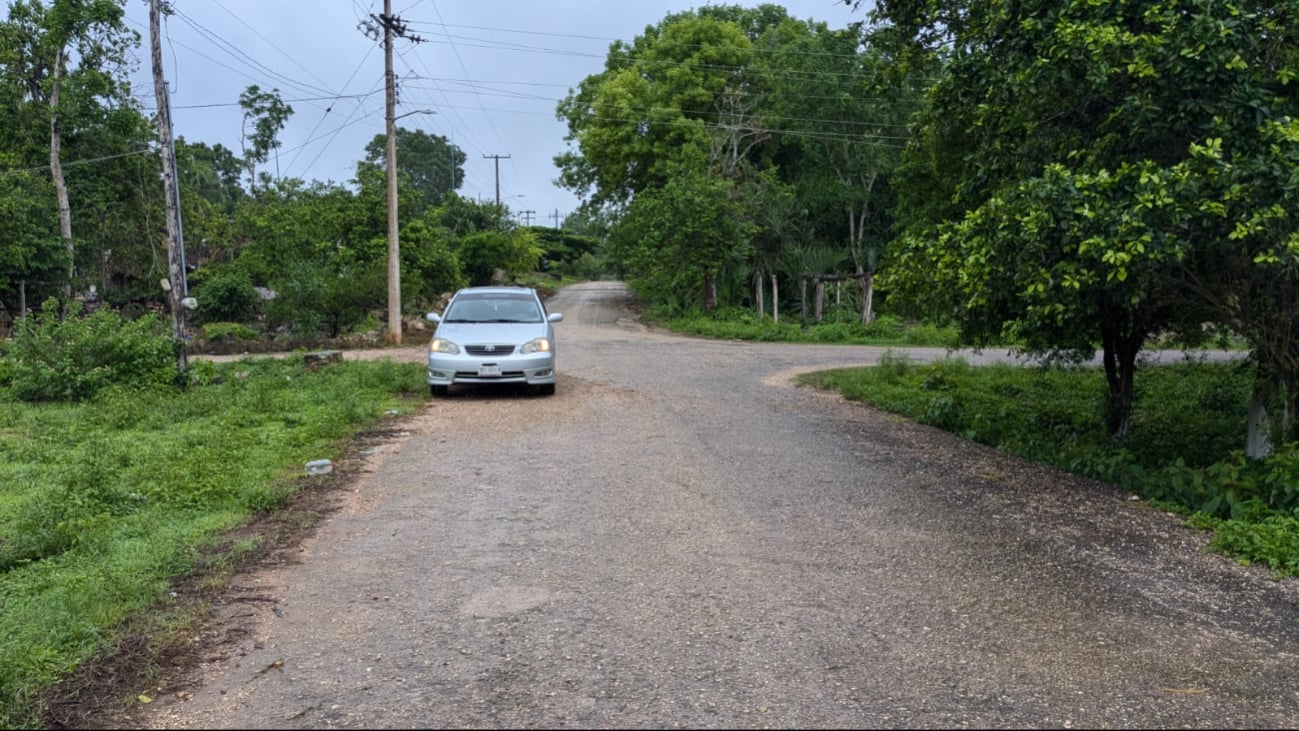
column 492, row 70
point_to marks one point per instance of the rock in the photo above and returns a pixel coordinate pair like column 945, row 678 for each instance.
column 320, row 358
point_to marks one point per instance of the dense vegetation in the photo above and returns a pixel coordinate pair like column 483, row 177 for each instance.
column 290, row 259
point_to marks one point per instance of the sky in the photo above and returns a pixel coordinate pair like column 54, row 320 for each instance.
column 491, row 72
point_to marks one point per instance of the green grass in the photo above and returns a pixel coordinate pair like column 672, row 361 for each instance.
column 746, row 325
column 1183, row 452
column 103, row 504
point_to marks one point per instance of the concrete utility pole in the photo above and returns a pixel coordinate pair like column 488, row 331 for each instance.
column 497, row 158
column 392, row 26
column 394, row 251
column 175, row 284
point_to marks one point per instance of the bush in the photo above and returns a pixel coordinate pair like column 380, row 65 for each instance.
column 214, row 332
column 313, row 301
column 73, row 359
column 226, row 297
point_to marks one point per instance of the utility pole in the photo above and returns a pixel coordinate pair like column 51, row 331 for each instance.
column 555, row 217
column 394, row 250
column 528, row 216
column 392, row 26
column 175, row 283
column 497, row 158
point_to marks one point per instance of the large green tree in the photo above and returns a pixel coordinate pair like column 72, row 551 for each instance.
column 658, row 95
column 62, row 65
column 696, row 222
column 1046, row 195
column 430, row 164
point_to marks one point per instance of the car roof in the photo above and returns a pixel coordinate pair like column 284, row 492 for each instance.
column 496, row 290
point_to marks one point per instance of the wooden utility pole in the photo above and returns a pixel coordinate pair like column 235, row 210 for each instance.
column 497, row 158
column 527, row 216
column 555, row 216
column 175, row 281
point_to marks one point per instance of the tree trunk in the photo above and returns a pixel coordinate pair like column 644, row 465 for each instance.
column 1120, row 359
column 1258, row 437
column 802, row 297
column 819, row 295
column 758, row 291
column 775, row 300
column 56, row 170
column 1272, row 405
column 866, row 280
column 710, row 291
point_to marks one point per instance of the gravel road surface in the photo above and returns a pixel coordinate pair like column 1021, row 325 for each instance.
column 681, row 537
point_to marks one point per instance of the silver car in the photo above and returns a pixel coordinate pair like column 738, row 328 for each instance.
column 493, row 335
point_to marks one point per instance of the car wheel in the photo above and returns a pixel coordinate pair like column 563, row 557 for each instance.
column 437, row 390
column 546, row 389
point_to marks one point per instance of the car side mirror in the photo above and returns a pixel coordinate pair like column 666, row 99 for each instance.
column 433, row 317
column 555, row 317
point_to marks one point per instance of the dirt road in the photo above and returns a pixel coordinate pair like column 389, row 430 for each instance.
column 682, row 538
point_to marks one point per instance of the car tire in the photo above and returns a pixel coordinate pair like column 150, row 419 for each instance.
column 546, row 389
column 437, row 391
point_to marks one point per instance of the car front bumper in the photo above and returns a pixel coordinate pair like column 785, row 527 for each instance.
column 534, row 369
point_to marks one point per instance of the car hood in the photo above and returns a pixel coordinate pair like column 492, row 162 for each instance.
column 513, row 333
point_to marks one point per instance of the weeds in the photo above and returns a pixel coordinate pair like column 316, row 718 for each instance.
column 103, row 502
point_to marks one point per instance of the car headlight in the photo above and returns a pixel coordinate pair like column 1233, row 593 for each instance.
column 444, row 346
column 539, row 345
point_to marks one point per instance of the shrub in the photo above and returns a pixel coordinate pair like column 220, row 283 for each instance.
column 228, row 297
column 72, row 359
column 227, row 331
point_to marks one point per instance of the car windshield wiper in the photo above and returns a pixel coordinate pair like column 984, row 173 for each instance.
column 505, row 319
column 458, row 320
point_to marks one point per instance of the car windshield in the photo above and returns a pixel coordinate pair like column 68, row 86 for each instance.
column 493, row 308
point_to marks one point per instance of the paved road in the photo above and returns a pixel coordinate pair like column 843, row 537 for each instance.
column 683, row 538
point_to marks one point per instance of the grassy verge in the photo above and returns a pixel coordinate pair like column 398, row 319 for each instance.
column 1183, row 452
column 745, row 325
column 105, row 503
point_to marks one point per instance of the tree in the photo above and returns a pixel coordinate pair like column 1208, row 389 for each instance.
column 1046, row 193
column 430, row 164
column 63, row 58
column 265, row 114
column 657, row 96
column 834, row 104
column 694, row 221
column 482, row 253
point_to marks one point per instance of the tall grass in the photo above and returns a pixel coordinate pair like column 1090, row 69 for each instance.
column 106, row 501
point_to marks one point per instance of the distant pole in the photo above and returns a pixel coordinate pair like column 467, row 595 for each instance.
column 497, row 158
column 555, row 216
column 175, row 282
column 527, row 215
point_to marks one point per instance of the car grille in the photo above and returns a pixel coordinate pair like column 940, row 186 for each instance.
column 489, row 350
column 473, row 376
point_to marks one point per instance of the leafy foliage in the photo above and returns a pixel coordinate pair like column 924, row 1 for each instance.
column 1103, row 226
column 53, row 358
column 227, row 297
